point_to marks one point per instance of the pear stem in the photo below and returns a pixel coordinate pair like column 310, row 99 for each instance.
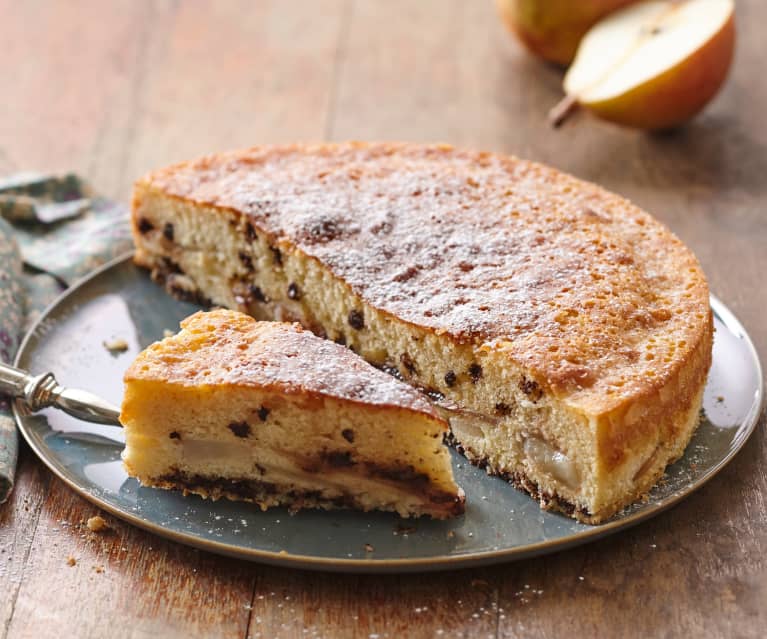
column 562, row 110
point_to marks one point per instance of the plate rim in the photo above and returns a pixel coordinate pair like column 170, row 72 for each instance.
column 372, row 565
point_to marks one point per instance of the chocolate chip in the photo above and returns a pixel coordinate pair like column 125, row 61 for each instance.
column 475, row 372
column 501, row 408
column 348, row 435
column 257, row 294
column 240, row 429
column 181, row 293
column 170, row 266
column 167, row 231
column 406, row 473
column 263, row 413
column 338, row 458
column 144, row 225
column 247, row 260
column 356, row 319
column 408, row 363
column 175, row 435
column 293, row 292
column 276, row 254
column 450, row 379
column 250, row 232
column 530, row 388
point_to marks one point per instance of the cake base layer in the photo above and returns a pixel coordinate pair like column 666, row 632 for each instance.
column 268, row 494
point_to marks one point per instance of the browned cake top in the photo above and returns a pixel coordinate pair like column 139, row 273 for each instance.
column 225, row 347
column 576, row 283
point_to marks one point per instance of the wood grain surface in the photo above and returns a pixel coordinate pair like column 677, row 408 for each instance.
column 113, row 89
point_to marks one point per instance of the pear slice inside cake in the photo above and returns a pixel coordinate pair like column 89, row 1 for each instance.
column 269, row 413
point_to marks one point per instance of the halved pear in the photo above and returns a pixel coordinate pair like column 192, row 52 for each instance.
column 655, row 64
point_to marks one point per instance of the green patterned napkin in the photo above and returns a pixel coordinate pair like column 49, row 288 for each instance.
column 55, row 230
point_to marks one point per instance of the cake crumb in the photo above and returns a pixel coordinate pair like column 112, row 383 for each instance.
column 450, row 534
column 168, row 333
column 97, row 524
column 71, row 561
column 98, row 569
column 369, row 548
column 118, row 345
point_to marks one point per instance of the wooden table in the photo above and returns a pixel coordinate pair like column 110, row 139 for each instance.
column 113, row 89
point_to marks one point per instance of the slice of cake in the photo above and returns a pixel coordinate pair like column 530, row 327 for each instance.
column 565, row 333
column 269, row 413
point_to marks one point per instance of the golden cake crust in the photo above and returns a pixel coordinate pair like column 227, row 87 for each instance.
column 221, row 348
column 602, row 303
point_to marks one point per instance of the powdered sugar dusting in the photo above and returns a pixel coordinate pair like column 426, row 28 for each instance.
column 230, row 348
column 568, row 279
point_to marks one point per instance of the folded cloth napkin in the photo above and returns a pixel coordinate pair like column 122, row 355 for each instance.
column 55, row 229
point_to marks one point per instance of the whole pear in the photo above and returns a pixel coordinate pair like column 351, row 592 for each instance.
column 552, row 29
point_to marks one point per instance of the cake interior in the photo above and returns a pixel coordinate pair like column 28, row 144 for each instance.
column 274, row 449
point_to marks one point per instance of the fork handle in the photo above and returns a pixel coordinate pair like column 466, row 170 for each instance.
column 43, row 391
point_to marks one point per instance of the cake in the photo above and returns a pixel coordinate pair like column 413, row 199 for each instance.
column 563, row 332
column 267, row 412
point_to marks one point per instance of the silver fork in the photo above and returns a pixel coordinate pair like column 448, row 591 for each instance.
column 43, row 391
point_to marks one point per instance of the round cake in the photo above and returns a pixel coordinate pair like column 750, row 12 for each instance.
column 565, row 333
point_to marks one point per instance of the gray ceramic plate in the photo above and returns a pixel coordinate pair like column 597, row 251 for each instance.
column 500, row 523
